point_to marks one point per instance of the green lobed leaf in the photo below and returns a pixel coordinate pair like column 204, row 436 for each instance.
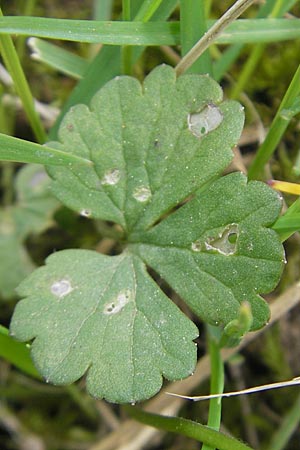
column 146, row 159
column 157, row 151
column 121, row 329
column 216, row 252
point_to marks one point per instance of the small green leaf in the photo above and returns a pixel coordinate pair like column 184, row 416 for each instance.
column 105, row 316
column 31, row 213
column 237, row 328
column 15, row 261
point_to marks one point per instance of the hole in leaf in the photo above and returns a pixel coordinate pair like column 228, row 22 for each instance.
column 226, row 242
column 205, row 121
column 232, row 238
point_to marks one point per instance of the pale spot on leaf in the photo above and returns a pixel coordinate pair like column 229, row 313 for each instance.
column 61, row 288
column 111, row 177
column 205, row 121
column 142, row 194
column 196, row 246
column 117, row 304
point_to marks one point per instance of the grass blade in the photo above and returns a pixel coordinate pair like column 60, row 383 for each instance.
column 193, row 27
column 188, row 428
column 102, row 9
column 288, row 426
column 110, row 33
column 13, row 149
column 17, row 353
column 196, row 51
column 13, row 65
column 277, row 128
column 246, row 31
column 58, row 58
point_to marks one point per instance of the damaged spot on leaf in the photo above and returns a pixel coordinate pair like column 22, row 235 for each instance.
column 111, row 177
column 142, row 194
column 226, row 242
column 205, row 121
column 118, row 303
column 196, row 246
column 61, row 288
column 85, row 213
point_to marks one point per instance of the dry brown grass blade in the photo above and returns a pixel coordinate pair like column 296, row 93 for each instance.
column 133, row 436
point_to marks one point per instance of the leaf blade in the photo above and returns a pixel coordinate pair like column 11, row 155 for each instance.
column 72, row 338
column 201, row 259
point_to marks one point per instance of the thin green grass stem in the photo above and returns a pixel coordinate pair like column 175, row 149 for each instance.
column 102, row 9
column 126, row 9
column 188, row 428
column 216, row 381
column 85, row 403
column 144, row 14
column 126, row 52
column 222, row 65
column 7, row 116
column 248, row 70
column 28, row 10
column 277, row 129
column 208, row 5
column 147, row 10
column 255, row 56
column 126, row 60
column 286, row 225
column 206, row 40
column 13, row 65
column 7, row 182
column 225, row 61
column 288, row 426
column 192, row 28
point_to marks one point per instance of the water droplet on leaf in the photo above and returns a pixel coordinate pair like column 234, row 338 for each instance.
column 205, row 121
